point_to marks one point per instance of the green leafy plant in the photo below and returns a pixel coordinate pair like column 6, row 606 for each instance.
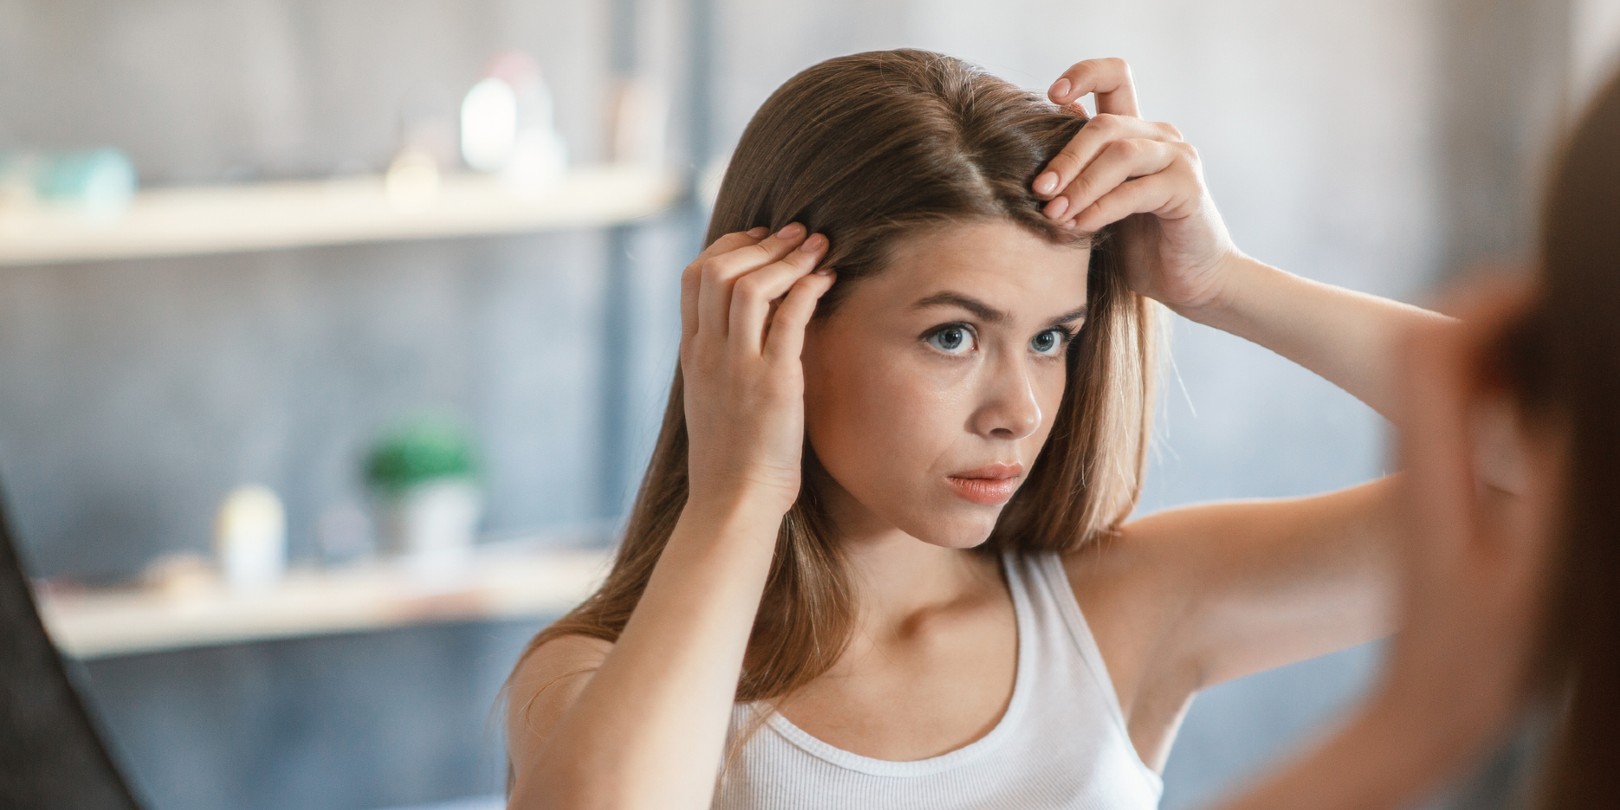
column 420, row 452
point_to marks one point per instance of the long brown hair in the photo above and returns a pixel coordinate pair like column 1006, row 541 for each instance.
column 866, row 148
column 1564, row 360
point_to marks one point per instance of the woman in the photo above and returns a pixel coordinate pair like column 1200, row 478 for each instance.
column 880, row 556
column 1510, row 432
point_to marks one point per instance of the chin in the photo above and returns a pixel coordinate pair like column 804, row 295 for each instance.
column 946, row 522
column 967, row 528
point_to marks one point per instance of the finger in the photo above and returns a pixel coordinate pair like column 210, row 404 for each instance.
column 731, row 241
column 785, row 339
column 1109, row 79
column 691, row 277
column 714, row 293
column 751, row 295
column 1119, row 161
column 1166, row 194
column 1089, row 142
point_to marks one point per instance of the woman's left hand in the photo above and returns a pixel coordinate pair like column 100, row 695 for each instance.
column 1120, row 165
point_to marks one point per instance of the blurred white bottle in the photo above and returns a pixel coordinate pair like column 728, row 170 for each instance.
column 508, row 126
column 250, row 538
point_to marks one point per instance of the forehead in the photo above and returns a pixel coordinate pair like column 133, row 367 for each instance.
column 997, row 262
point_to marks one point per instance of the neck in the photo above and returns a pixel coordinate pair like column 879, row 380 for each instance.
column 900, row 581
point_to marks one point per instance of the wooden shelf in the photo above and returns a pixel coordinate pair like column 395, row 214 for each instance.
column 500, row 582
column 189, row 221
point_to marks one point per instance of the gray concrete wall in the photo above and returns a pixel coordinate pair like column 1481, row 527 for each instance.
column 1360, row 144
column 134, row 394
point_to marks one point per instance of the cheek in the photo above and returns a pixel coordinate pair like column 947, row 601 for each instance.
column 1053, row 388
column 876, row 424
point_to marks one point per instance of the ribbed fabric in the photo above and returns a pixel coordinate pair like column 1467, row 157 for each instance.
column 1062, row 742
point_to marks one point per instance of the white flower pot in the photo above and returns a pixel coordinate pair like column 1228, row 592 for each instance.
column 431, row 527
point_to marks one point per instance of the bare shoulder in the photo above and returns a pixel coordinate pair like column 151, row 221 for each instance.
column 1114, row 579
column 1128, row 579
column 544, row 684
column 1133, row 606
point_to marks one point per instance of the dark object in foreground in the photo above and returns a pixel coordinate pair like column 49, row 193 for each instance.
column 50, row 753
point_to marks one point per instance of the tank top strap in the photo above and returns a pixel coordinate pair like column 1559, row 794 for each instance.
column 1052, row 595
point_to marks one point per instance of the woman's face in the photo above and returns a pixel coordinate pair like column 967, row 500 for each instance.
column 950, row 360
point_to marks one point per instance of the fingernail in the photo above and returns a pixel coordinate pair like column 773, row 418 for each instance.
column 759, row 232
column 1058, row 206
column 813, row 244
column 1060, row 88
column 824, row 270
column 1046, row 183
column 790, row 230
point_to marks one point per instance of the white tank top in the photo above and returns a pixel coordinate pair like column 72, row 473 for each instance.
column 1061, row 743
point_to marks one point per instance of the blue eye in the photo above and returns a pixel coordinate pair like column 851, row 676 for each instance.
column 949, row 338
column 958, row 339
column 1053, row 341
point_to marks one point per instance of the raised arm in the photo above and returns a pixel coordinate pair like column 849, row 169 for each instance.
column 642, row 722
column 1213, row 592
column 1480, row 498
column 1348, row 338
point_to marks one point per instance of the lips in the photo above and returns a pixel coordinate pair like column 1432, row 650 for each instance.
column 989, row 485
column 997, row 470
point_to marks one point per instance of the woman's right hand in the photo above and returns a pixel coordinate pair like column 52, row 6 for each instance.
column 740, row 364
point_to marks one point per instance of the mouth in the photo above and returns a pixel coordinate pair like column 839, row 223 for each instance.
column 990, row 485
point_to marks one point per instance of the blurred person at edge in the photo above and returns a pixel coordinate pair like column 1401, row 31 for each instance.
column 1510, row 449
column 881, row 556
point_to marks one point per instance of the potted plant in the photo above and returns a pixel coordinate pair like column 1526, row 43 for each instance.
column 423, row 476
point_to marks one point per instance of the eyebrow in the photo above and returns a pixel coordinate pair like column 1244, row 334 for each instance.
column 983, row 311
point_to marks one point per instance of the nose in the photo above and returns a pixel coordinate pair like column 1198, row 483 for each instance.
column 1010, row 407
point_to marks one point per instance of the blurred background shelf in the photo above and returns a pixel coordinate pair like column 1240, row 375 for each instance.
column 499, row 581
column 202, row 220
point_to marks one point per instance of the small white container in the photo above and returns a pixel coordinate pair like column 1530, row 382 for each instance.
column 431, row 526
column 250, row 538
